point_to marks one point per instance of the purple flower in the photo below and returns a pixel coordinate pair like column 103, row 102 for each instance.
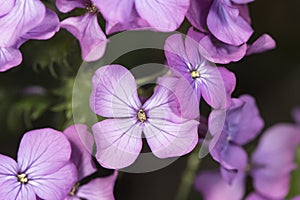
column 22, row 21
column 164, row 15
column 270, row 168
column 214, row 84
column 82, row 144
column 242, row 124
column 119, row 138
column 225, row 30
column 85, row 28
column 43, row 169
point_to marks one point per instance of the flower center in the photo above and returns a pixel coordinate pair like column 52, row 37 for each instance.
column 22, row 178
column 194, row 74
column 92, row 8
column 141, row 115
column 74, row 190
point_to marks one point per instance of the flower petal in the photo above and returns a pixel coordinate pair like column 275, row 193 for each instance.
column 57, row 185
column 197, row 13
column 115, row 11
column 9, row 58
column 114, row 92
column 166, row 15
column 225, row 24
column 242, row 1
column 68, row 5
column 6, row 6
column 168, row 139
column 296, row 115
column 48, row 27
column 219, row 52
column 99, row 188
column 273, row 160
column 216, row 85
column 89, row 34
column 82, row 146
column 256, row 196
column 263, row 43
column 25, row 15
column 118, row 142
column 42, row 152
column 213, row 187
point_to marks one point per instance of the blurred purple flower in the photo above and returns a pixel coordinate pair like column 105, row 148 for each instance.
column 85, row 28
column 119, row 138
column 225, row 30
column 164, row 15
column 214, row 84
column 82, row 145
column 43, row 169
column 23, row 20
column 270, row 168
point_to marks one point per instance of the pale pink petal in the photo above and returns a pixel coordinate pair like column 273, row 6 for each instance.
column 242, row 1
column 6, row 6
column 57, row 185
column 99, row 188
column 114, row 92
column 9, row 58
column 68, row 5
column 263, row 43
column 256, row 196
column 82, row 146
column 25, row 15
column 118, row 142
column 43, row 152
column 163, row 15
column 89, row 34
column 213, row 187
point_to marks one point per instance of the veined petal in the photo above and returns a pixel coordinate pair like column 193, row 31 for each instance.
column 117, row 11
column 197, row 13
column 225, row 24
column 68, row 5
column 48, row 27
column 163, row 15
column 213, row 187
column 25, row 192
column 219, row 52
column 263, row 43
column 273, row 160
column 118, row 142
column 6, row 6
column 99, row 188
column 25, row 15
column 9, row 58
column 114, row 92
column 82, row 146
column 216, row 85
column 56, row 185
column 42, row 152
column 89, row 34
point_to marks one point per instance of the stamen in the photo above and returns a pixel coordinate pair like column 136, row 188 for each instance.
column 141, row 115
column 194, row 74
column 22, row 178
column 92, row 8
column 74, row 190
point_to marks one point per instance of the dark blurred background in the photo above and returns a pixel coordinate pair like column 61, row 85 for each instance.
column 273, row 78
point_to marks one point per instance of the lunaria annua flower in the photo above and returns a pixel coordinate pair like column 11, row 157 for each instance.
column 43, row 169
column 85, row 28
column 22, row 20
column 242, row 123
column 270, row 168
column 214, row 84
column 82, row 144
column 166, row 15
column 225, row 29
column 119, row 138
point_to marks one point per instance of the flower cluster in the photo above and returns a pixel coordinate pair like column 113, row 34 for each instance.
column 60, row 165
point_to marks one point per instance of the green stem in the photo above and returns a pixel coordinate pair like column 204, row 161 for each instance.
column 188, row 176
